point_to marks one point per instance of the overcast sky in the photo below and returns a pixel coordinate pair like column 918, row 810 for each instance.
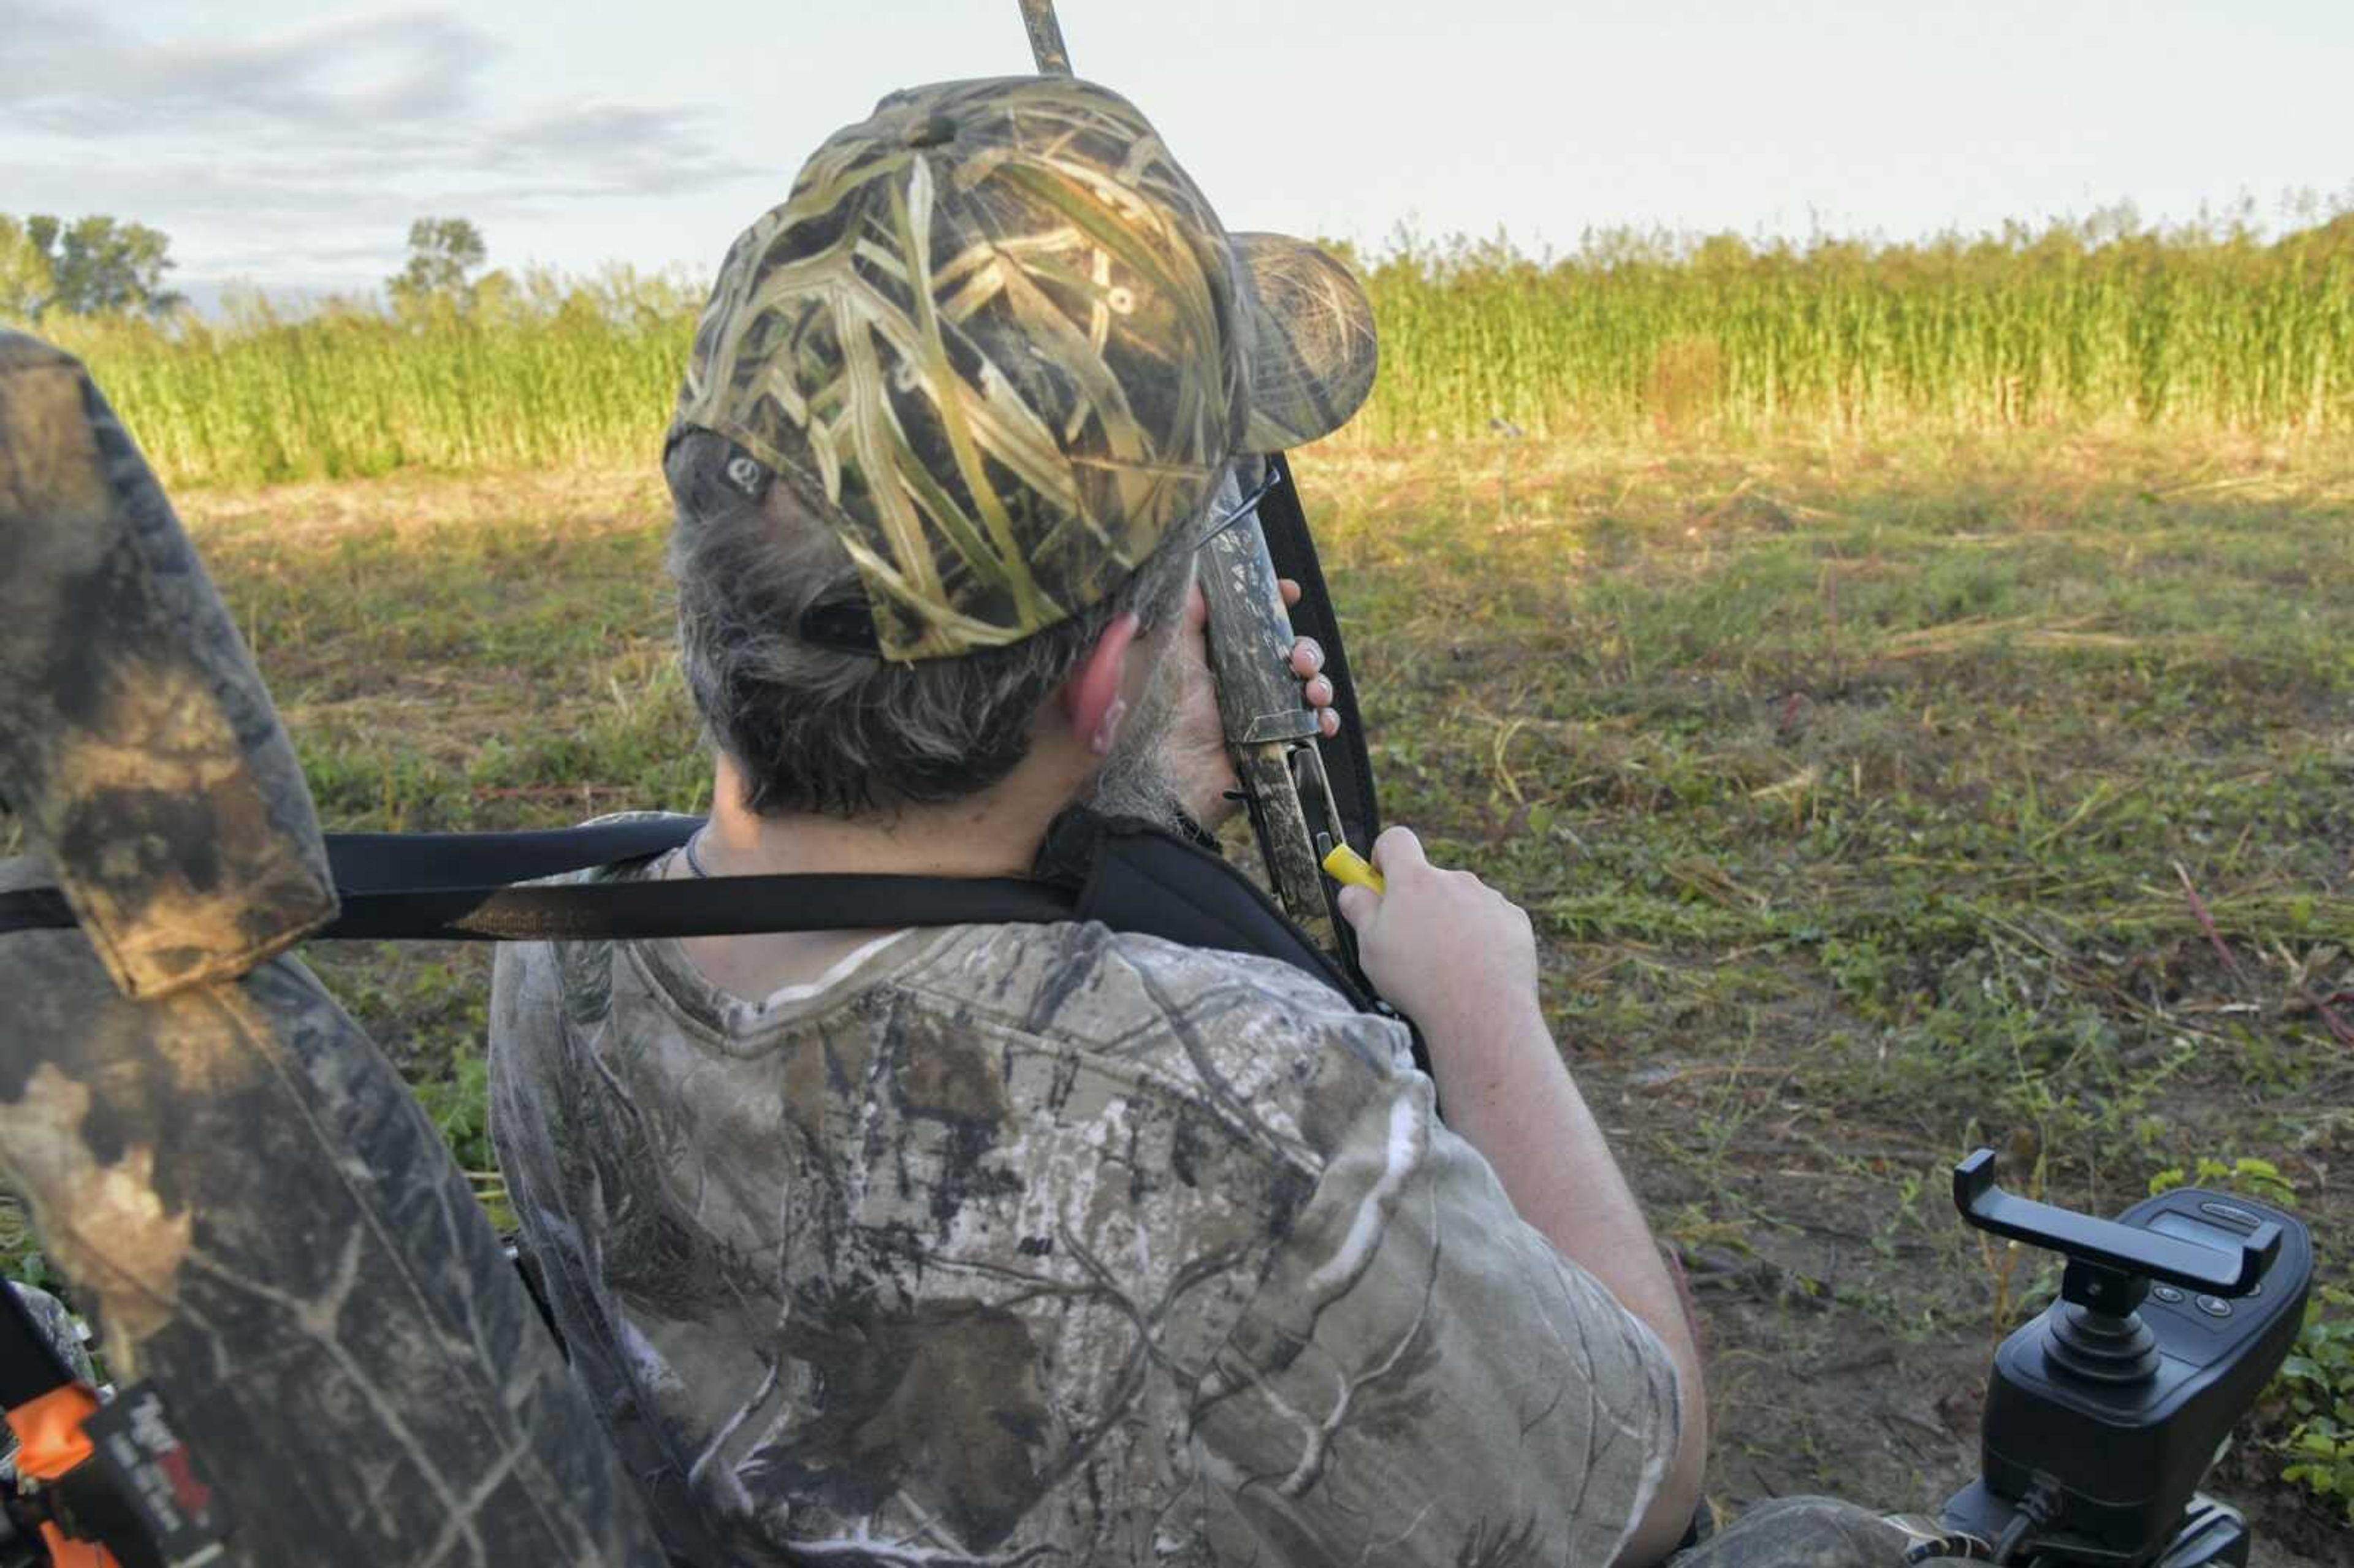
column 289, row 142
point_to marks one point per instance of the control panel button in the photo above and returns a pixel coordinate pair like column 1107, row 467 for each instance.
column 2166, row 1293
column 2214, row 1307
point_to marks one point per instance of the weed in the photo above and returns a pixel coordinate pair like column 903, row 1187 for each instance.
column 2318, row 1377
column 2259, row 1179
column 21, row 1258
column 459, row 1105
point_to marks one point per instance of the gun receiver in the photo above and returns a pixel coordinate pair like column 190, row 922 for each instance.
column 1270, row 732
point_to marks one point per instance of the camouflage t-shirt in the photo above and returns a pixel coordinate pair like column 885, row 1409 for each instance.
column 1047, row 1244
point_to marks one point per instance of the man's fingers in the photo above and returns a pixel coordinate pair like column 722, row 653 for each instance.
column 1290, row 589
column 1397, row 850
column 1357, row 905
column 1327, row 723
column 1306, row 657
column 1319, row 692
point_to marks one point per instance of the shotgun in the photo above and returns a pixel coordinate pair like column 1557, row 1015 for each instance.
column 1271, row 733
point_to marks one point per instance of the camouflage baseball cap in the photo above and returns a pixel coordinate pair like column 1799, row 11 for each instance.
column 1000, row 343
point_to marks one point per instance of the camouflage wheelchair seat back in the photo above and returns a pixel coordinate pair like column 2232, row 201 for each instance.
column 235, row 1181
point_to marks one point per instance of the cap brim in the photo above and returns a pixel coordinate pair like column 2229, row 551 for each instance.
column 1314, row 352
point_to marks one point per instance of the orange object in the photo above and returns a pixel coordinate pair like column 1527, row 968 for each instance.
column 68, row 1554
column 50, row 1442
column 49, row 1437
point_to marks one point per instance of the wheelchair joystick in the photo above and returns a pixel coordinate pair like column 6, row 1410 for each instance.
column 2104, row 1413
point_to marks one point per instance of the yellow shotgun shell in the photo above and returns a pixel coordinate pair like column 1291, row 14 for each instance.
column 1344, row 865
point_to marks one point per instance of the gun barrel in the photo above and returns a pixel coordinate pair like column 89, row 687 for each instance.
column 1047, row 45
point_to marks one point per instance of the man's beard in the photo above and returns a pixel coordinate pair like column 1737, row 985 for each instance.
column 1134, row 778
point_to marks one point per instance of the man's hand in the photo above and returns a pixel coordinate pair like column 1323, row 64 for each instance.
column 1308, row 663
column 1446, row 950
column 1195, row 752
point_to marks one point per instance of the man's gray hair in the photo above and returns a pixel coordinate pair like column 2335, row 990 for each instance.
column 814, row 729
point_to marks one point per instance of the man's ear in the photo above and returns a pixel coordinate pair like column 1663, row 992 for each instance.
column 1091, row 698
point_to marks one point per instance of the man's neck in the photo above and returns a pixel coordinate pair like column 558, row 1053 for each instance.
column 994, row 834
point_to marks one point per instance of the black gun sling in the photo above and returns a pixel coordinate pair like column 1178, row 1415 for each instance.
column 1292, row 548
column 1127, row 874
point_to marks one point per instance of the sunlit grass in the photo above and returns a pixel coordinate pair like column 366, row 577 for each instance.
column 1856, row 785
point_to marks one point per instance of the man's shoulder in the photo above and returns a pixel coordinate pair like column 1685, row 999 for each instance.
column 530, row 981
column 1068, row 986
column 1239, row 1035
column 609, row 871
column 1098, row 986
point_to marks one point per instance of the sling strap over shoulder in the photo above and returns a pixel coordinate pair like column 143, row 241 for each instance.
column 1124, row 874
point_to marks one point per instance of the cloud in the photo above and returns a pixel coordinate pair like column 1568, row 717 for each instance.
column 72, row 73
column 629, row 147
column 356, row 125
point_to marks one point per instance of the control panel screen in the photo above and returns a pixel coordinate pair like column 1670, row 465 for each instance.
column 2168, row 1223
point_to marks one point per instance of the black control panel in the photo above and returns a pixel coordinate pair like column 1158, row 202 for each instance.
column 2199, row 1325
column 2104, row 1413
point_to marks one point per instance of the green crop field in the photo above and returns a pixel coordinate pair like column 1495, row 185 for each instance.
column 1913, row 692
column 2190, row 331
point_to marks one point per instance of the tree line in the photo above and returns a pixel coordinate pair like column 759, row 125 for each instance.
column 93, row 266
column 99, row 266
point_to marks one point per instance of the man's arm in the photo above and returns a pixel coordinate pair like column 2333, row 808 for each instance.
column 1460, row 960
column 1421, row 1376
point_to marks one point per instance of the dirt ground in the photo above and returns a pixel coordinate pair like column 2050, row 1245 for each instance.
column 1817, row 1383
column 1875, row 800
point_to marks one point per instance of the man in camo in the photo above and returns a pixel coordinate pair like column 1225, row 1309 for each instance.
column 998, row 1245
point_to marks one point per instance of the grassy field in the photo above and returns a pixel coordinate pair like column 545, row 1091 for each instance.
column 2191, row 331
column 1875, row 798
